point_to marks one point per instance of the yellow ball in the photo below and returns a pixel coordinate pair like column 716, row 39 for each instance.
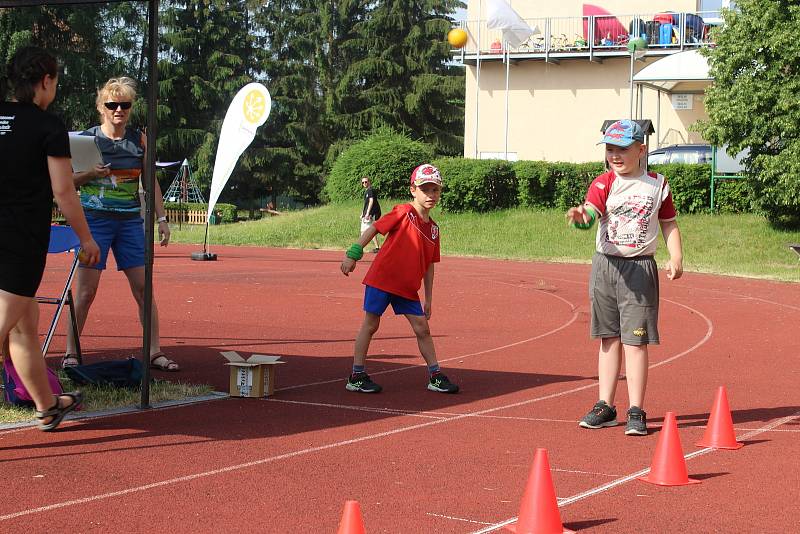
column 457, row 38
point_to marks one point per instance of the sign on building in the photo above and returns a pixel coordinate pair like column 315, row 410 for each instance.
column 682, row 100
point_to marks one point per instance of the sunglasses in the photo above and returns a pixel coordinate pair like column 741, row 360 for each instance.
column 114, row 105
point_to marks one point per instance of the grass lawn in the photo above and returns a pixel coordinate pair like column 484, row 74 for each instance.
column 733, row 244
column 105, row 398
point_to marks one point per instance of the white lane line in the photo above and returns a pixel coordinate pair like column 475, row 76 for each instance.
column 461, row 357
column 458, row 519
column 388, row 411
column 614, row 483
column 420, row 413
column 576, row 472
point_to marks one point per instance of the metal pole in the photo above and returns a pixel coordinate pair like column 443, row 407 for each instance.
column 508, row 72
column 477, row 79
column 658, row 120
column 150, row 181
column 630, row 114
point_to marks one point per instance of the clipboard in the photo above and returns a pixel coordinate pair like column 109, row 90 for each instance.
column 85, row 154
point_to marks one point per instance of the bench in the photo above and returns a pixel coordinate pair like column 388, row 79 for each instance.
column 795, row 247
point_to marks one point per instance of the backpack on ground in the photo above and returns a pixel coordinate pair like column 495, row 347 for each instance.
column 116, row 373
column 14, row 391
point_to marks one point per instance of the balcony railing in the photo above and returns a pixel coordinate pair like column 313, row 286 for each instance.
column 605, row 35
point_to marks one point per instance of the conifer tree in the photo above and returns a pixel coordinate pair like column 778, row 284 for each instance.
column 405, row 80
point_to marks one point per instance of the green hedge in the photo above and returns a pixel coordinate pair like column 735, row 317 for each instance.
column 485, row 185
column 386, row 157
column 477, row 185
column 227, row 211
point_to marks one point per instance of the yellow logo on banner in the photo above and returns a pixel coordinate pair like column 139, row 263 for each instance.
column 254, row 106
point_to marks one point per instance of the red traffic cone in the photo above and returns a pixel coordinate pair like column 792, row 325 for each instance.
column 669, row 467
column 351, row 522
column 719, row 431
column 538, row 511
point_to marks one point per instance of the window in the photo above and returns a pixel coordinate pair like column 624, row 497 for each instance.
column 657, row 158
column 716, row 5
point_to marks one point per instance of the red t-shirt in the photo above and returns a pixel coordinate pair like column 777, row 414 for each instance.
column 411, row 246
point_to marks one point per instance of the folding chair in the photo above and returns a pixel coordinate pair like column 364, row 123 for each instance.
column 63, row 239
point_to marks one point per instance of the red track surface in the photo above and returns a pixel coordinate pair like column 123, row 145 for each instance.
column 513, row 335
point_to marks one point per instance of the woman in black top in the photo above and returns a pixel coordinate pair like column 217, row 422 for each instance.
column 34, row 167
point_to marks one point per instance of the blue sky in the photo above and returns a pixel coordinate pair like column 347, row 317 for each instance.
column 461, row 14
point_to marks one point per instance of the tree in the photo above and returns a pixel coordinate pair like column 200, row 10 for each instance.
column 404, row 81
column 753, row 103
column 77, row 37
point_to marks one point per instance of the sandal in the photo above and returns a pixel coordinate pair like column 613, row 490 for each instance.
column 69, row 360
column 162, row 363
column 57, row 413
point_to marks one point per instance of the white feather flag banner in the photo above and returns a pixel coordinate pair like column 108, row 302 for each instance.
column 248, row 110
column 501, row 16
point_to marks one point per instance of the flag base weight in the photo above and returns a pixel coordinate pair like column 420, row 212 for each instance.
column 204, row 256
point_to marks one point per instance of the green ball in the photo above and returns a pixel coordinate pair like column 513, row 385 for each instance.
column 637, row 43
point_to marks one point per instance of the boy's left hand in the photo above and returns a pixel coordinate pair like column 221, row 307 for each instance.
column 674, row 269
column 348, row 266
column 427, row 310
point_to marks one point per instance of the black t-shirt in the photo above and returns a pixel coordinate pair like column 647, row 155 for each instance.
column 375, row 211
column 28, row 135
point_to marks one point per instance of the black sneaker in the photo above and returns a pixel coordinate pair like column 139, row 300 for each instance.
column 637, row 422
column 439, row 382
column 601, row 415
column 362, row 383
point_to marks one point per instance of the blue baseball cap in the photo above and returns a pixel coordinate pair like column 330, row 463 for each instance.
column 623, row 133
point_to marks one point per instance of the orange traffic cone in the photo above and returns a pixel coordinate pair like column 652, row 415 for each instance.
column 719, row 432
column 351, row 522
column 538, row 512
column 669, row 467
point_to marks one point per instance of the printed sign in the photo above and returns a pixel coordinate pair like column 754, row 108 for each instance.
column 682, row 101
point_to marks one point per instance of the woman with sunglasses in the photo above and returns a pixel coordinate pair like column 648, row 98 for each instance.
column 110, row 197
column 34, row 167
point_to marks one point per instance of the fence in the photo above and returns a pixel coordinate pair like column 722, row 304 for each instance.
column 173, row 216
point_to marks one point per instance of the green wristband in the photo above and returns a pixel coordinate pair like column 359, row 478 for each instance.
column 586, row 226
column 355, row 252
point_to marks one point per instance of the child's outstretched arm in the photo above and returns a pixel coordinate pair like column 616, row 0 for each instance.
column 672, row 236
column 428, row 283
column 356, row 251
column 582, row 216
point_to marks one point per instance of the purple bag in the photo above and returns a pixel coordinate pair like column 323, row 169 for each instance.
column 15, row 392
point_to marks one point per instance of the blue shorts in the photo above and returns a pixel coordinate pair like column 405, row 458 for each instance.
column 124, row 236
column 376, row 301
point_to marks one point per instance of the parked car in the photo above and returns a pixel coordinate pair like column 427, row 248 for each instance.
column 680, row 154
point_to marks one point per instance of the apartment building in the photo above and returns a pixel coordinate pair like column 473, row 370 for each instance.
column 547, row 98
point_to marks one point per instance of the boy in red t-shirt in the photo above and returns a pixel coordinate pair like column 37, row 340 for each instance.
column 405, row 260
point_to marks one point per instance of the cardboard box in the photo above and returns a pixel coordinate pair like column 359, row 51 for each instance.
column 253, row 377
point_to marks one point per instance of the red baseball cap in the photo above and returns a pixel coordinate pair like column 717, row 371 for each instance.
column 424, row 174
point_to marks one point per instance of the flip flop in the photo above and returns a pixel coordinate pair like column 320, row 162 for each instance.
column 165, row 364
column 57, row 412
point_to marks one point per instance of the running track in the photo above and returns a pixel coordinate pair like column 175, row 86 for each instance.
column 512, row 334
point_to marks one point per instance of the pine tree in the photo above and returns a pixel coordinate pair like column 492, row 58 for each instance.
column 205, row 49
column 405, row 81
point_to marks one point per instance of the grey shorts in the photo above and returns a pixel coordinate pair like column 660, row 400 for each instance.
column 624, row 295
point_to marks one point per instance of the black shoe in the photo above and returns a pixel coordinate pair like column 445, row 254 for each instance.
column 439, row 382
column 601, row 415
column 362, row 383
column 637, row 422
